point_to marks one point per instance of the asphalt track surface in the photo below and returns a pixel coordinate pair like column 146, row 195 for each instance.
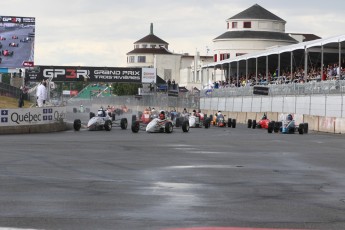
column 218, row 177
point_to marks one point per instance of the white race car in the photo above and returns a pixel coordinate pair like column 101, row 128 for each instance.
column 101, row 122
column 158, row 125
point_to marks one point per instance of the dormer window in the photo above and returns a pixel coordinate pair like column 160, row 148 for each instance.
column 247, row 24
column 144, row 46
column 234, row 25
column 153, row 46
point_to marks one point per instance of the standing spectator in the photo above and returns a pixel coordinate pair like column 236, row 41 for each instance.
column 169, row 84
column 41, row 94
column 22, row 93
column 173, row 84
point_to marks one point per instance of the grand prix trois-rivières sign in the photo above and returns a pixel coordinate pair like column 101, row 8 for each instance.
column 91, row 74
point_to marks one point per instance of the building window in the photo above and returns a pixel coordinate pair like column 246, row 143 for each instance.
column 240, row 54
column 131, row 59
column 247, row 24
column 227, row 25
column 215, row 58
column 153, row 46
column 136, row 46
column 234, row 25
column 141, row 59
column 144, row 46
column 224, row 56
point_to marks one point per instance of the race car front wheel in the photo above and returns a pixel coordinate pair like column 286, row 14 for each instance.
column 77, row 124
column 135, row 126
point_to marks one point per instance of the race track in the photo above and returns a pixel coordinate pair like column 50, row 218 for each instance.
column 217, row 177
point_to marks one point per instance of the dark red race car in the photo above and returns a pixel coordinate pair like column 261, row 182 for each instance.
column 7, row 53
column 2, row 38
column 14, row 37
column 262, row 124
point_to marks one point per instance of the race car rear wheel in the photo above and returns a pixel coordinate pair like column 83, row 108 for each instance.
column 254, row 124
column 207, row 123
column 300, row 128
column 229, row 122
column 92, row 115
column 276, row 127
column 108, row 125
column 177, row 122
column 249, row 123
column 77, row 124
column 123, row 123
column 233, row 123
column 135, row 126
column 305, row 128
column 134, row 118
column 270, row 127
column 169, row 127
column 185, row 126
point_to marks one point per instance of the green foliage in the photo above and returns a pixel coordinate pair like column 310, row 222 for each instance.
column 6, row 78
column 121, row 89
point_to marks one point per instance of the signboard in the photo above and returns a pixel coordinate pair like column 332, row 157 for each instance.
column 260, row 90
column 32, row 116
column 149, row 75
column 17, row 36
column 90, row 74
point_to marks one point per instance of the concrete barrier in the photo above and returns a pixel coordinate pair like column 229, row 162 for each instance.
column 40, row 128
column 327, row 124
column 340, row 125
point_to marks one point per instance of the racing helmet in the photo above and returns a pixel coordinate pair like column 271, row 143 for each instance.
column 162, row 115
column 264, row 117
column 289, row 117
column 100, row 113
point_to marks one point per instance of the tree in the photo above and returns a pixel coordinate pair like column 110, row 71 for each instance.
column 121, row 89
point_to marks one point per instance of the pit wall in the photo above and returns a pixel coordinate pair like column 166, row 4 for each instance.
column 323, row 113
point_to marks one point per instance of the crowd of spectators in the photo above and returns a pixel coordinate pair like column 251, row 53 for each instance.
column 331, row 72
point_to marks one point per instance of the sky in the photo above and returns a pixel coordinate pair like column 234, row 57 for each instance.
column 101, row 32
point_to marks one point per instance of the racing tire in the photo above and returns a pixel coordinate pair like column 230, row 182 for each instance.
column 254, row 124
column 123, row 123
column 249, row 123
column 305, row 128
column 134, row 118
column 135, row 126
column 177, row 123
column 185, row 126
column 113, row 116
column 233, row 123
column 77, row 124
column 92, row 115
column 207, row 123
column 108, row 125
column 229, row 122
column 270, row 126
column 276, row 127
column 300, row 128
column 168, row 127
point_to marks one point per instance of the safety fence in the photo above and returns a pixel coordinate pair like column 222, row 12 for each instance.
column 309, row 88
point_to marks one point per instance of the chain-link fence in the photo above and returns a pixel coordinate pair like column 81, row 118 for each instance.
column 310, row 88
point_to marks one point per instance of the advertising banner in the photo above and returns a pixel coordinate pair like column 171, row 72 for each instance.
column 32, row 116
column 90, row 74
column 17, row 36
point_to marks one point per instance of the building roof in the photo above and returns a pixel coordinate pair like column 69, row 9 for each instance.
column 257, row 12
column 307, row 37
column 247, row 34
column 160, row 50
column 151, row 38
